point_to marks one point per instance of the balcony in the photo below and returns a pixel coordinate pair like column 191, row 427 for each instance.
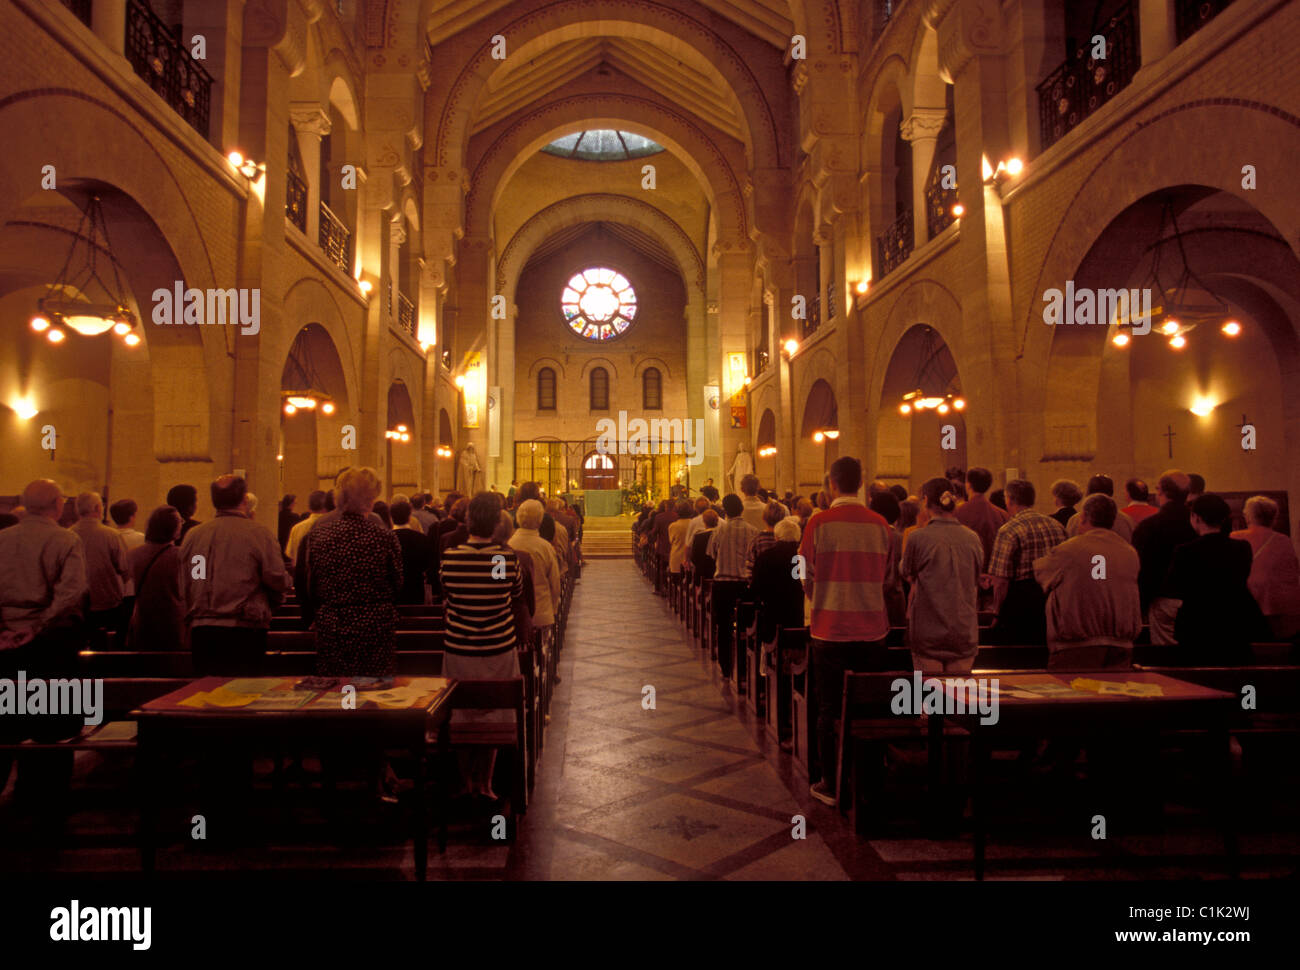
column 830, row 299
column 164, row 63
column 335, row 239
column 809, row 326
column 939, row 201
column 80, row 8
column 1191, row 15
column 405, row 313
column 894, row 245
column 295, row 201
column 1081, row 85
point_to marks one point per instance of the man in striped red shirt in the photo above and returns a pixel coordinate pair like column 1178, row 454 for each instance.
column 845, row 551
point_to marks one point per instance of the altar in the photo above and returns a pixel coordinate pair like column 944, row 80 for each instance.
column 603, row 501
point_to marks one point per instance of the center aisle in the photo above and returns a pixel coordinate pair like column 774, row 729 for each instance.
column 682, row 791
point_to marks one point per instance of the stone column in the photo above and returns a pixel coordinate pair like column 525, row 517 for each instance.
column 921, row 128
column 1158, row 26
column 310, row 123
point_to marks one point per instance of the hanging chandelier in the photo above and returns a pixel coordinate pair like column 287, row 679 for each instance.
column 67, row 305
column 928, row 375
column 1183, row 306
column 303, row 391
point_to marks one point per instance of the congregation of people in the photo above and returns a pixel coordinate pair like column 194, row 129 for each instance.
column 495, row 563
column 1084, row 579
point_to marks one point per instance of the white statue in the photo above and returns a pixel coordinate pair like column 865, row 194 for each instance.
column 468, row 478
column 742, row 465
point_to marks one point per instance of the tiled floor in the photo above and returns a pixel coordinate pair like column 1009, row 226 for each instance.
column 678, row 791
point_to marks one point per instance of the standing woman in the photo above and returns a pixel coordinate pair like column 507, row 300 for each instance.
column 158, row 620
column 287, row 519
column 482, row 586
column 356, row 574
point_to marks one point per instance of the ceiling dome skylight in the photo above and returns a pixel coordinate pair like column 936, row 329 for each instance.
column 602, row 145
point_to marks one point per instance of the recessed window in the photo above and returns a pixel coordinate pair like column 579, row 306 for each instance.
column 602, row 145
column 546, row 389
column 598, row 303
column 652, row 390
column 599, row 384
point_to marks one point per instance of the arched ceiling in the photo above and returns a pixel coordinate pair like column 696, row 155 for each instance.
column 769, row 20
column 660, row 61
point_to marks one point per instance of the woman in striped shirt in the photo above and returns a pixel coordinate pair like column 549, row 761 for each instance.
column 480, row 583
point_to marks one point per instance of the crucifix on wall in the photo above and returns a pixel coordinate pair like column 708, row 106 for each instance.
column 1169, row 436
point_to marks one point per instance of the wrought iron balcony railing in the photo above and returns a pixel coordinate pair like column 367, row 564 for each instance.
column 164, row 63
column 295, row 200
column 830, row 299
column 405, row 313
column 1082, row 84
column 809, row 326
column 894, row 245
column 335, row 239
column 938, row 204
column 1191, row 15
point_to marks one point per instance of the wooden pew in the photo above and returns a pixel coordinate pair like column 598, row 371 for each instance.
column 510, row 695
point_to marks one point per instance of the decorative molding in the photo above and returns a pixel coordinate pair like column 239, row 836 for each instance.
column 308, row 117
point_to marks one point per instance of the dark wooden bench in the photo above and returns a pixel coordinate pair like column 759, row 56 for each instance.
column 510, row 695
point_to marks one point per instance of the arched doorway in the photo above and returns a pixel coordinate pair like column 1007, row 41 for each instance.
column 1222, row 352
column 93, row 397
column 599, row 471
column 818, row 436
column 403, row 452
column 317, row 436
column 765, row 449
column 921, row 430
column 444, row 456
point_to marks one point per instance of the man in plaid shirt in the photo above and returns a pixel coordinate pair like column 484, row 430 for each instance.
column 1019, row 601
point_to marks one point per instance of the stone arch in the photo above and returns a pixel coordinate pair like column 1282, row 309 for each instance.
column 606, row 207
column 696, row 147
column 627, row 18
column 889, row 104
column 341, row 93
column 550, row 362
column 819, row 408
column 595, row 362
column 1143, row 162
column 645, row 363
column 312, row 442
column 402, row 458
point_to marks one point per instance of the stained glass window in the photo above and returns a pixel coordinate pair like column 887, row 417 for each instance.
column 599, row 303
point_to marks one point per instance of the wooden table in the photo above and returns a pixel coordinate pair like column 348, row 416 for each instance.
column 1085, row 715
column 168, row 724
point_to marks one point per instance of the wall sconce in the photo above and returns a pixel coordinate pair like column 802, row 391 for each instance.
column 767, row 451
column 1008, row 168
column 246, row 167
column 790, row 347
column 24, row 407
column 1203, row 405
column 442, row 451
column 861, row 286
column 958, row 210
column 459, row 381
column 366, row 286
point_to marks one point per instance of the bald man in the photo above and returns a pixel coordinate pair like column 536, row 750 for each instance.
column 42, row 593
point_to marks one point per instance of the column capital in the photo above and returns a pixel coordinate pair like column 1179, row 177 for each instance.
column 923, row 123
column 309, row 116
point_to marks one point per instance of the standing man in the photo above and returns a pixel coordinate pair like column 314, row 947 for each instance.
column 42, row 589
column 316, row 505
column 845, row 550
column 105, row 554
column 185, row 500
column 1017, row 597
column 1155, row 539
column 754, row 506
column 122, row 512
column 232, row 575
column 728, row 546
column 1091, row 582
